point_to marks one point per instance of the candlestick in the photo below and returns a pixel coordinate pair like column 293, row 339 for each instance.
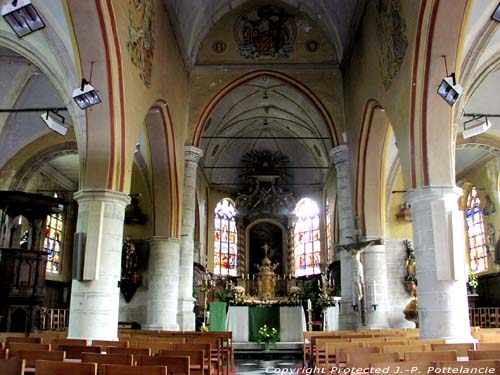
column 309, row 304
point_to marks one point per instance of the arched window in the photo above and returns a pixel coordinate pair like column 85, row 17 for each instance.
column 225, row 237
column 478, row 251
column 53, row 241
column 307, row 244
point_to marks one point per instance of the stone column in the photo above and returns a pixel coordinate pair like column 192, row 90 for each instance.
column 163, row 283
column 340, row 158
column 376, row 289
column 185, row 314
column 440, row 258
column 94, row 301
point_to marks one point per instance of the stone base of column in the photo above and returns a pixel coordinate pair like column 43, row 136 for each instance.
column 163, row 285
column 377, row 319
column 185, row 317
column 94, row 309
column 347, row 318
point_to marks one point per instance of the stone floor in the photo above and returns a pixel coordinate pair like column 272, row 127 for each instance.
column 278, row 366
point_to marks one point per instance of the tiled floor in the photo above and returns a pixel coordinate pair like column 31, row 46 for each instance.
column 267, row 366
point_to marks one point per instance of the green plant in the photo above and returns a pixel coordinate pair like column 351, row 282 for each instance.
column 473, row 280
column 324, row 301
column 223, row 295
column 268, row 334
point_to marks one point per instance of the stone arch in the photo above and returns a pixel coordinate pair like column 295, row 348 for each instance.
column 32, row 165
column 372, row 176
column 306, row 91
column 431, row 119
column 164, row 171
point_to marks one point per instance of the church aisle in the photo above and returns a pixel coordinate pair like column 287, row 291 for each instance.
column 254, row 366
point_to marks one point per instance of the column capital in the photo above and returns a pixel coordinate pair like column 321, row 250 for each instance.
column 192, row 154
column 111, row 196
column 339, row 154
column 427, row 193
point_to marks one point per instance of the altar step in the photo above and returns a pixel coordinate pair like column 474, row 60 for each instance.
column 277, row 350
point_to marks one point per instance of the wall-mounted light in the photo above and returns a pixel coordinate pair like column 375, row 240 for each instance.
column 55, row 122
column 496, row 14
column 22, row 16
column 86, row 95
column 477, row 125
column 449, row 89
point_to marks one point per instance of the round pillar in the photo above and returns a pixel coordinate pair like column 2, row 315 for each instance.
column 95, row 299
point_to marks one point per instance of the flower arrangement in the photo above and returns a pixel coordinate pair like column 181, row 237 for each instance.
column 324, row 301
column 238, row 290
column 268, row 334
column 204, row 328
column 473, row 280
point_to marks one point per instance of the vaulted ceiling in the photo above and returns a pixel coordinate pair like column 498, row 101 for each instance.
column 193, row 19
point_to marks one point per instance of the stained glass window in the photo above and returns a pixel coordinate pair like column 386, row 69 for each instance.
column 307, row 244
column 53, row 241
column 478, row 251
column 225, row 239
column 328, row 232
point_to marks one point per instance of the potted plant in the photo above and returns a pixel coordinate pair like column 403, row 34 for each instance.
column 473, row 282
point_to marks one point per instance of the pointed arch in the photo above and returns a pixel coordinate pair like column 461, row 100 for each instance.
column 166, row 202
column 304, row 89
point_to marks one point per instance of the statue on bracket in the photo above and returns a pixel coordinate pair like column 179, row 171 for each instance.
column 130, row 279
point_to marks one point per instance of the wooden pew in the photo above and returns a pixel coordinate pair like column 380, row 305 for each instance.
column 132, row 370
column 176, row 365
column 64, row 368
column 12, row 366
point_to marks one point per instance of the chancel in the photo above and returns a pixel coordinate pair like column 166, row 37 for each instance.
column 247, row 174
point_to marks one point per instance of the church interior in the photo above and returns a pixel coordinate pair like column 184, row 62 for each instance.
column 262, row 173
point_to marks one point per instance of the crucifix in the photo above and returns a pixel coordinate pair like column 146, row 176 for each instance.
column 266, row 248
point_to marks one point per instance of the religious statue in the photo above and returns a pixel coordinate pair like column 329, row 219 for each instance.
column 129, row 259
column 358, row 277
column 358, row 274
column 266, row 282
column 411, row 271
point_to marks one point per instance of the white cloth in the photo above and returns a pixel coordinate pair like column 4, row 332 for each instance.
column 331, row 318
column 237, row 322
column 292, row 324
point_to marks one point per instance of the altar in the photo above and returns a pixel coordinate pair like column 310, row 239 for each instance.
column 244, row 322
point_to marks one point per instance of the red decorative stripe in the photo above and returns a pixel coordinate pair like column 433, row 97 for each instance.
column 176, row 174
column 416, row 57
column 252, row 75
column 118, row 50
column 111, row 98
column 430, row 36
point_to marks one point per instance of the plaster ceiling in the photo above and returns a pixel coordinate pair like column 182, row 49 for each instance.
column 192, row 19
column 266, row 114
